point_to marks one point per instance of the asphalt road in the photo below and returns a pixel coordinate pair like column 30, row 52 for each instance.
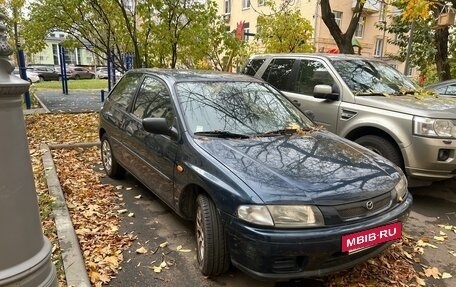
column 154, row 223
column 75, row 102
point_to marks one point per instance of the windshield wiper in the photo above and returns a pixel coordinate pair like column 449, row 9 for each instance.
column 404, row 93
column 221, row 134
column 278, row 133
column 371, row 94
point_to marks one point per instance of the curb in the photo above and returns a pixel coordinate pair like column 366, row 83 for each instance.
column 41, row 103
column 73, row 261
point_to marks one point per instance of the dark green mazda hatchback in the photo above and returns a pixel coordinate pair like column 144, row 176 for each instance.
column 269, row 192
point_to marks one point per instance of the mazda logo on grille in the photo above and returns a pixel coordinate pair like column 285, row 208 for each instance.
column 369, row 205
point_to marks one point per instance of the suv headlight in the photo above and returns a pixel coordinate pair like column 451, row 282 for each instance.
column 401, row 189
column 434, row 127
column 284, row 216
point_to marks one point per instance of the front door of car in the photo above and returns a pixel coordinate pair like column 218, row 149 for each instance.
column 154, row 154
column 312, row 72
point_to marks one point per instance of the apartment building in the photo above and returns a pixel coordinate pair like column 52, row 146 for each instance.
column 371, row 41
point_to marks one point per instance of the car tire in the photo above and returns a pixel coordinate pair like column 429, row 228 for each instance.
column 112, row 168
column 77, row 77
column 59, row 78
column 383, row 147
column 41, row 78
column 212, row 252
column 92, row 77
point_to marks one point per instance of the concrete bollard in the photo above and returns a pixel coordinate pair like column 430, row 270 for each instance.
column 25, row 254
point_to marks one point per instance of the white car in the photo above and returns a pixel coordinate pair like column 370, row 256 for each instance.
column 32, row 77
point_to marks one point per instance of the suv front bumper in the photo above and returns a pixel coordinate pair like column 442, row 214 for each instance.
column 422, row 158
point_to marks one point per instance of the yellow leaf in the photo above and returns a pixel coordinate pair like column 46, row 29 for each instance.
column 157, row 269
column 114, row 228
column 128, row 188
column 119, row 187
column 420, row 281
column 421, row 243
column 433, row 271
column 141, row 250
column 185, row 250
column 131, row 214
column 179, row 247
column 94, row 276
column 439, row 238
column 113, row 261
column 122, row 211
column 442, row 233
column 446, row 275
column 452, row 252
column 138, row 196
column 163, row 264
column 105, row 278
column 164, row 244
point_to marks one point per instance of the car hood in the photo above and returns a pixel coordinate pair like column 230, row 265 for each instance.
column 319, row 168
column 436, row 107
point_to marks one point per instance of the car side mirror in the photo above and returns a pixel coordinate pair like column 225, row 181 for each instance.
column 325, row 92
column 159, row 126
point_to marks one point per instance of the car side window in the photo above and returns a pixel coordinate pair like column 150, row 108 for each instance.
column 153, row 101
column 125, row 90
column 451, row 90
column 278, row 73
column 252, row 66
column 310, row 74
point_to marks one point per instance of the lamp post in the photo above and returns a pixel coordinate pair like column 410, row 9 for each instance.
column 24, row 251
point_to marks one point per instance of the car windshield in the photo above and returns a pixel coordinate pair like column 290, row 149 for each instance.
column 373, row 78
column 239, row 109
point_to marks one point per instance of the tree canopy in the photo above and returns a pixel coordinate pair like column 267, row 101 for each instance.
column 159, row 33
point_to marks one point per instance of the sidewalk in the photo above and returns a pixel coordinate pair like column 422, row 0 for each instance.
column 81, row 101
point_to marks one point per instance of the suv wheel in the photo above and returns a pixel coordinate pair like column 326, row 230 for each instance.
column 41, row 78
column 211, row 249
column 382, row 147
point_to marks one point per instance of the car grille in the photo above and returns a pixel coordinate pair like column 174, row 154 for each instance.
column 358, row 209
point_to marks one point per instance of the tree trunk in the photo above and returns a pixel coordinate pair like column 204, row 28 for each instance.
column 441, row 56
column 343, row 40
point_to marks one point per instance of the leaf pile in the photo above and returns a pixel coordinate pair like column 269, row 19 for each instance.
column 93, row 207
column 91, row 204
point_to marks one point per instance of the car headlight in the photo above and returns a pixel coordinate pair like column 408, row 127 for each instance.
column 284, row 216
column 401, row 189
column 434, row 127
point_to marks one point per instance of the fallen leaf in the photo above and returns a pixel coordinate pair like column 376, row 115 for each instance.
column 119, row 187
column 446, row 275
column 141, row 250
column 421, row 243
column 442, row 233
column 452, row 252
column 138, row 196
column 163, row 264
column 185, row 250
column 128, row 188
column 157, row 269
column 440, row 238
column 179, row 247
column 164, row 244
column 420, row 281
column 122, row 211
column 433, row 271
column 131, row 214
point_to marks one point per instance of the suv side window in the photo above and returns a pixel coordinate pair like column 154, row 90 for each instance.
column 310, row 74
column 125, row 90
column 153, row 101
column 278, row 73
column 252, row 66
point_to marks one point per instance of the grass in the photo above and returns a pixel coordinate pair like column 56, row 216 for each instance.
column 95, row 84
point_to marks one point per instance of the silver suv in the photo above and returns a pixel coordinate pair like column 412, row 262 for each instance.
column 371, row 103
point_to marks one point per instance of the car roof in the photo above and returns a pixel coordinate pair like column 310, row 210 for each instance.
column 441, row 84
column 182, row 75
column 317, row 55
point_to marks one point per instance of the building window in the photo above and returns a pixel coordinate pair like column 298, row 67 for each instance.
column 359, row 32
column 338, row 18
column 52, row 35
column 227, row 7
column 245, row 4
column 378, row 52
column 55, row 54
column 409, row 71
column 246, row 31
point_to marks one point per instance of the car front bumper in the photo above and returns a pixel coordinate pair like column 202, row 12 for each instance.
column 422, row 160
column 290, row 254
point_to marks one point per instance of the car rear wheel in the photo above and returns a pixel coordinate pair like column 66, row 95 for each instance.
column 111, row 166
column 41, row 78
column 212, row 252
column 92, row 77
column 77, row 77
column 382, row 147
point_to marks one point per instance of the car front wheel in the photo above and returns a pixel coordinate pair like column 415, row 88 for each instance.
column 381, row 146
column 112, row 168
column 212, row 252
